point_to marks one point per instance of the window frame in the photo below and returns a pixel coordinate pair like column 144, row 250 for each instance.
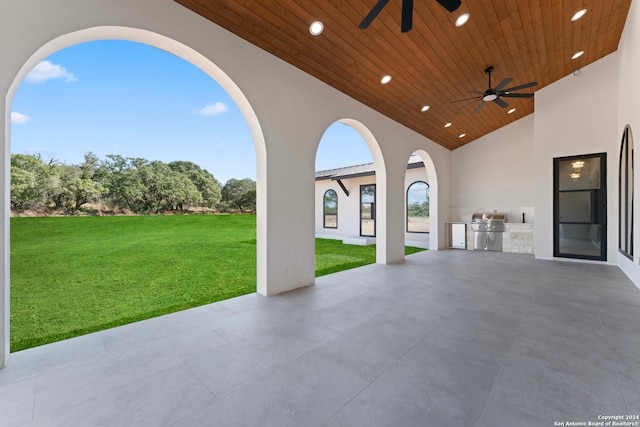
column 626, row 186
column 406, row 213
column 324, row 209
column 372, row 207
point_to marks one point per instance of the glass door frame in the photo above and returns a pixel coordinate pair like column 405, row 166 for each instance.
column 372, row 208
column 598, row 197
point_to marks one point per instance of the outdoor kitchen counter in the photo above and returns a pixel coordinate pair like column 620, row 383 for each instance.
column 517, row 237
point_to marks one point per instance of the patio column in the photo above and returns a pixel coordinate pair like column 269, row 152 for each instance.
column 287, row 260
column 390, row 195
column 4, row 235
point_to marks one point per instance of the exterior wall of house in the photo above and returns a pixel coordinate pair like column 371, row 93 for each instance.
column 577, row 115
column 511, row 169
column 288, row 113
column 496, row 172
column 349, row 206
column 629, row 114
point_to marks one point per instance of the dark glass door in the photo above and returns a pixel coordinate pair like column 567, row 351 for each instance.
column 368, row 210
column 580, row 207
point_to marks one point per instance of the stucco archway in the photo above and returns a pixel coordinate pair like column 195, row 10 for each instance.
column 432, row 180
column 344, row 167
column 161, row 42
column 381, row 184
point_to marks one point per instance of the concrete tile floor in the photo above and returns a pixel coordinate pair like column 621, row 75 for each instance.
column 450, row 338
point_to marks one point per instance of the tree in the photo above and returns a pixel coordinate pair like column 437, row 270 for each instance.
column 136, row 184
column 87, row 186
column 168, row 189
column 206, row 184
column 143, row 186
column 30, row 181
column 60, row 190
column 240, row 193
column 418, row 209
column 124, row 187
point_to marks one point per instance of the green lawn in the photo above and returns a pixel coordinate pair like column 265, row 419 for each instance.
column 75, row 275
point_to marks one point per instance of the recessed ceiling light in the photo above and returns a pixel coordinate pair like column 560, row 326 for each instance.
column 579, row 14
column 577, row 54
column 462, row 19
column 511, row 111
column 462, row 135
column 448, row 124
column 316, row 28
column 425, row 108
column 386, row 79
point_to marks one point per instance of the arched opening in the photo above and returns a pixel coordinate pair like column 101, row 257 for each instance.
column 344, row 169
column 421, row 203
column 417, row 208
column 175, row 48
column 349, row 166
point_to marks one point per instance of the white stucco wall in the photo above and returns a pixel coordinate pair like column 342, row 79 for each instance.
column 496, row 172
column 349, row 206
column 576, row 115
column 511, row 169
column 287, row 111
column 629, row 114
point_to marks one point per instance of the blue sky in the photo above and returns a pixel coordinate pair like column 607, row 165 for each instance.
column 119, row 97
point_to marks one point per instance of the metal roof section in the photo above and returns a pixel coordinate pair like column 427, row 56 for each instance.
column 367, row 169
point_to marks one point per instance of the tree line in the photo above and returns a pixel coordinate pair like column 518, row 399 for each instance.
column 123, row 184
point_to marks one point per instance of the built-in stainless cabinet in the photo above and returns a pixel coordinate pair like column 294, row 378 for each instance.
column 458, row 235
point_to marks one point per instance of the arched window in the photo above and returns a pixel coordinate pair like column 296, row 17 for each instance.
column 418, row 207
column 625, row 195
column 330, row 209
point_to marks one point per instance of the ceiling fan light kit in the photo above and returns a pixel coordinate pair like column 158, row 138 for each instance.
column 495, row 94
column 492, row 94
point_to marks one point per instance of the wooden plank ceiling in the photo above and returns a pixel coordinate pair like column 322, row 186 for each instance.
column 434, row 63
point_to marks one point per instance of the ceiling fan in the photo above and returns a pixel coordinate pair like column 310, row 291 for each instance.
column 496, row 94
column 407, row 12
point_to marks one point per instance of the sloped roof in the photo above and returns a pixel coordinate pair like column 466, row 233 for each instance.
column 367, row 169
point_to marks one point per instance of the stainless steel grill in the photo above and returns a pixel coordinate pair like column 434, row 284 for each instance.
column 487, row 231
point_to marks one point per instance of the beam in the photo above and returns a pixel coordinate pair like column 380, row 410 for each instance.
column 343, row 187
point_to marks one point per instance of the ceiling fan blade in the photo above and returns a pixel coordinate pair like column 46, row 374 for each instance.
column 477, row 110
column 524, row 86
column 465, row 106
column 501, row 103
column 517, row 95
column 450, row 5
column 407, row 15
column 372, row 14
column 466, row 99
column 503, row 83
